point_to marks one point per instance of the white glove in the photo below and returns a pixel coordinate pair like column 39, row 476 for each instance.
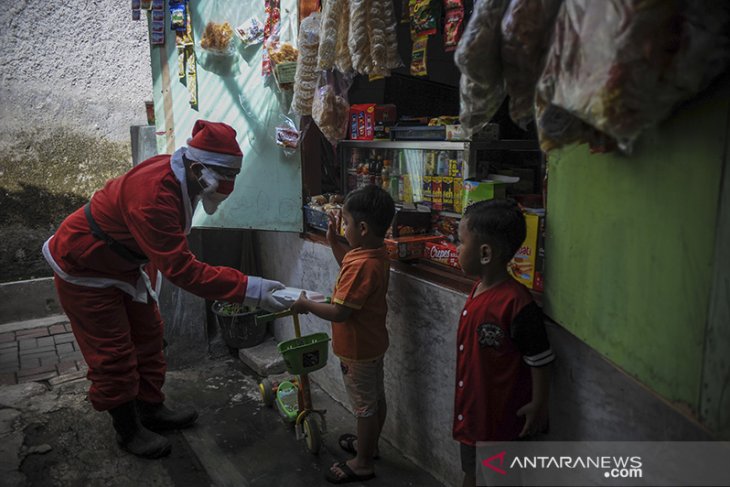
column 258, row 294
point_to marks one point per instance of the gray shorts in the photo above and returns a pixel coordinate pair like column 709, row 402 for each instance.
column 364, row 385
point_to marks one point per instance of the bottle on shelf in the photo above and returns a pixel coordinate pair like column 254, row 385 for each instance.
column 385, row 175
column 394, row 176
column 442, row 164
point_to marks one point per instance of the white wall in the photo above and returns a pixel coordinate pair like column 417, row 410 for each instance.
column 82, row 64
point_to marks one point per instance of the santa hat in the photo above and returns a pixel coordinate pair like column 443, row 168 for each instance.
column 214, row 143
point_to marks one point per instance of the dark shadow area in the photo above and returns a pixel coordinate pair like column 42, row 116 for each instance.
column 28, row 217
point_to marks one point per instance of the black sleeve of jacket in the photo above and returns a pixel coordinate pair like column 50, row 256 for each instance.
column 528, row 333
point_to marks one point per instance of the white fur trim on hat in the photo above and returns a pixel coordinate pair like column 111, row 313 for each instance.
column 214, row 158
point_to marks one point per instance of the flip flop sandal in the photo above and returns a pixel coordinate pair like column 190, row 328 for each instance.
column 350, row 475
column 347, row 443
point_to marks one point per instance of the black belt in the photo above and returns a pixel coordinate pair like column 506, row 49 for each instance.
column 118, row 248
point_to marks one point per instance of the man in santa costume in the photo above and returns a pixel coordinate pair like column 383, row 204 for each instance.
column 107, row 258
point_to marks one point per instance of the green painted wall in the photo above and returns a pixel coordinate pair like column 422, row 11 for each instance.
column 631, row 242
column 267, row 193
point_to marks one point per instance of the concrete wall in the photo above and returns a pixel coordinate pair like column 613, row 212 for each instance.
column 73, row 78
column 591, row 399
column 80, row 63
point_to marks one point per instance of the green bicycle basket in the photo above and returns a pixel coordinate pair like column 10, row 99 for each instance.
column 305, row 354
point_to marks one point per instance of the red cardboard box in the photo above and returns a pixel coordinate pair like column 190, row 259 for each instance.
column 443, row 252
column 362, row 121
column 385, row 114
column 408, row 248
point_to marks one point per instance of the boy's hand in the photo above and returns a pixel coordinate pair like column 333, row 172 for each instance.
column 301, row 305
column 536, row 418
column 332, row 226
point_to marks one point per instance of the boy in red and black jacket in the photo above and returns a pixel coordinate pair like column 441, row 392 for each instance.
column 502, row 377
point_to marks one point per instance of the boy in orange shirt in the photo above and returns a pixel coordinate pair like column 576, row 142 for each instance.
column 357, row 312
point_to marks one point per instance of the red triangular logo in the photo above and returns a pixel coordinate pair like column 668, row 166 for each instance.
column 488, row 462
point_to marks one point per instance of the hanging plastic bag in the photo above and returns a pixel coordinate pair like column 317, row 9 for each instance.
column 474, row 111
column 392, row 58
column 343, row 58
column 305, row 80
column 378, row 41
column 282, row 51
column 330, row 108
column 287, row 135
column 527, row 26
column 271, row 26
column 217, row 38
column 639, row 60
column 331, row 17
column 478, row 58
column 359, row 37
column 218, row 34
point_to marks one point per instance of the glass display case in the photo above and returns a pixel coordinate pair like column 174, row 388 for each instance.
column 430, row 181
column 428, row 172
column 431, row 173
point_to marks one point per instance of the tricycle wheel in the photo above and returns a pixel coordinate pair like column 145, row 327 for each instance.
column 266, row 388
column 312, row 435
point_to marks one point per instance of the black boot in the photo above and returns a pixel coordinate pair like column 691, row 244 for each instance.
column 157, row 417
column 135, row 438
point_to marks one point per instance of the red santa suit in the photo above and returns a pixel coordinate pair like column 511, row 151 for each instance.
column 111, row 301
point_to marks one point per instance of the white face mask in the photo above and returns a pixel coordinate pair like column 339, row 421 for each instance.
column 211, row 199
column 208, row 180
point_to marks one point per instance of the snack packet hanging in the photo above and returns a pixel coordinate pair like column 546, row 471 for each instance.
column 271, row 25
column 287, row 136
column 251, row 32
column 527, row 27
column 217, row 37
column 330, row 108
column 638, row 62
column 423, row 22
column 418, row 57
column 178, row 16
column 305, row 79
column 282, row 51
column 453, row 23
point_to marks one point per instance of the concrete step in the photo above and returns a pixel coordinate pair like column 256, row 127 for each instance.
column 34, row 323
column 264, row 359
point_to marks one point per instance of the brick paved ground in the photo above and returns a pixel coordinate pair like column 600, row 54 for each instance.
column 39, row 354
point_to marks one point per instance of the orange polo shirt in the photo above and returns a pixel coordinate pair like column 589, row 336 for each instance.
column 362, row 286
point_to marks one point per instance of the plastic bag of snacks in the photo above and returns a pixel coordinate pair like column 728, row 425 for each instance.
column 527, row 27
column 287, row 136
column 330, row 108
column 217, row 38
column 282, row 51
column 639, row 61
column 478, row 58
column 305, row 80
